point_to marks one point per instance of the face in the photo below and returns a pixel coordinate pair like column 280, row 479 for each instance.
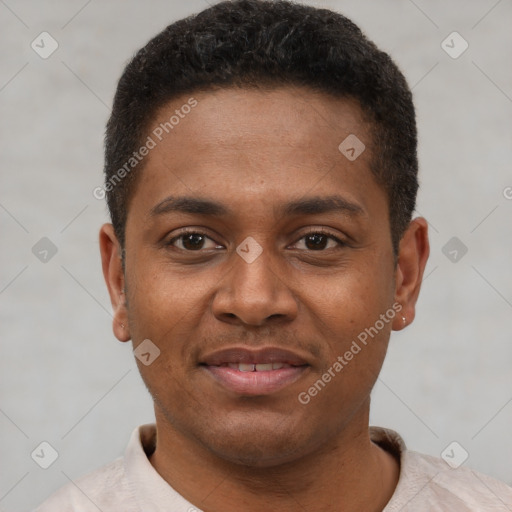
column 257, row 253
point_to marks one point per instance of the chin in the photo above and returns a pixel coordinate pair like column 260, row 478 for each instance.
column 251, row 456
column 257, row 446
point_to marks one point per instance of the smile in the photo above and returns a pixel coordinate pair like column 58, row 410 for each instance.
column 256, row 367
column 252, row 372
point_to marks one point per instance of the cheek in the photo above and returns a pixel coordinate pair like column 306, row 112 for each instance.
column 348, row 302
column 345, row 381
column 162, row 302
column 354, row 316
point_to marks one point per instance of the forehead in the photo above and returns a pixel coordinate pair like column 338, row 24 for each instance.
column 258, row 145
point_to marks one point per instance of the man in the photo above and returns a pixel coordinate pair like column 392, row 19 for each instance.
column 261, row 175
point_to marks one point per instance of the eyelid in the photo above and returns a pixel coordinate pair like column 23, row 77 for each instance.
column 322, row 231
column 190, row 231
column 202, row 232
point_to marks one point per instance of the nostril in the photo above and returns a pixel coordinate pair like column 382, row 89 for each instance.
column 275, row 315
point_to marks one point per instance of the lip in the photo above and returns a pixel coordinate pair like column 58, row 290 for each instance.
column 248, row 356
column 254, row 383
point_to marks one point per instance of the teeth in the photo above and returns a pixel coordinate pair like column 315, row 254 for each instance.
column 261, row 367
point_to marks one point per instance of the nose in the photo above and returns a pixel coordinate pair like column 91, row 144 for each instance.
column 254, row 293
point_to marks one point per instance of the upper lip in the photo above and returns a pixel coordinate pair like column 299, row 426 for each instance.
column 253, row 356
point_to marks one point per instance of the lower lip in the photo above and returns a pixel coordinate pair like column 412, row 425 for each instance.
column 255, row 383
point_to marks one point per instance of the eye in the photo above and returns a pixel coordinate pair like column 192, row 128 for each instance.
column 193, row 241
column 319, row 241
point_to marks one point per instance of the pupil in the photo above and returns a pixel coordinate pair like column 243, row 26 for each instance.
column 317, row 241
column 193, row 241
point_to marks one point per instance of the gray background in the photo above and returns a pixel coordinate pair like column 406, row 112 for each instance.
column 66, row 380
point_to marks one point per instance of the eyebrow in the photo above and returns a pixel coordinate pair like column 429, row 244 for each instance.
column 317, row 205
column 190, row 205
column 306, row 206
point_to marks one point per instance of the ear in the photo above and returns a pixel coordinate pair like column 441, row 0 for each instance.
column 412, row 258
column 113, row 273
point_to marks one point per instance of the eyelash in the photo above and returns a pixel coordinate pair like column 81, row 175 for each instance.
column 319, row 231
column 326, row 233
column 185, row 233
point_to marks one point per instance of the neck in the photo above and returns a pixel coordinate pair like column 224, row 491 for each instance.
column 348, row 473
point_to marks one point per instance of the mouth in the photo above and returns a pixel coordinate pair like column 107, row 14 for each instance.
column 256, row 367
column 254, row 372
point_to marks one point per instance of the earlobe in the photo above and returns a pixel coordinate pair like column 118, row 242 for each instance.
column 412, row 258
column 114, row 278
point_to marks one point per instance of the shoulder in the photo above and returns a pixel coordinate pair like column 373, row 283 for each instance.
column 111, row 487
column 429, row 483
column 102, row 489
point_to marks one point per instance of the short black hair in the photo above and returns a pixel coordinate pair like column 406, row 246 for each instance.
column 262, row 43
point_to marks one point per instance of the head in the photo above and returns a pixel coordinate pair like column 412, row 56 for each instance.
column 257, row 44
column 271, row 207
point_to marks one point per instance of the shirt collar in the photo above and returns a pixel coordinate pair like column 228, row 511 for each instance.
column 154, row 494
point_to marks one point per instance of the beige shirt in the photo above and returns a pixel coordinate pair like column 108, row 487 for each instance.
column 131, row 484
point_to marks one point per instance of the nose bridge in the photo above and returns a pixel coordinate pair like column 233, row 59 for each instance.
column 252, row 269
column 253, row 290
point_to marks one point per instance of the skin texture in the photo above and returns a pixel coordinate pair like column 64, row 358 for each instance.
column 253, row 151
